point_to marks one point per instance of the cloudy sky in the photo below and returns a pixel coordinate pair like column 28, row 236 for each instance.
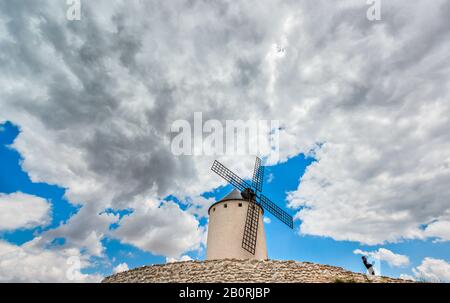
column 87, row 177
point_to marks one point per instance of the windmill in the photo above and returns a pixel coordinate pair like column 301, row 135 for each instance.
column 257, row 203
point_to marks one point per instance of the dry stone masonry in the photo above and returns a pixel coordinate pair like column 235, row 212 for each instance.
column 232, row 270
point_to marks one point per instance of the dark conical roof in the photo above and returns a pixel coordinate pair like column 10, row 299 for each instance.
column 233, row 195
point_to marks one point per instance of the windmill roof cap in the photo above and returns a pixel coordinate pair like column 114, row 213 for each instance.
column 233, row 195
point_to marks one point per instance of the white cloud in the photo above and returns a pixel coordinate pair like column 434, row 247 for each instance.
column 181, row 259
column 84, row 230
column 160, row 228
column 407, row 277
column 199, row 205
column 121, row 268
column 32, row 263
column 267, row 220
column 19, row 210
column 270, row 178
column 383, row 168
column 433, row 270
column 382, row 254
column 439, row 229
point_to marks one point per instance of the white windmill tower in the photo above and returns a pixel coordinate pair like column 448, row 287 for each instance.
column 236, row 228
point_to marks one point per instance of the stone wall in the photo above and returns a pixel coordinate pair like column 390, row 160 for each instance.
column 232, row 270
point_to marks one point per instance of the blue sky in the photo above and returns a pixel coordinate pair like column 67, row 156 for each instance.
column 282, row 242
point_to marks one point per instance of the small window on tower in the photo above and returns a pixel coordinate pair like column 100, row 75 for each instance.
column 240, row 204
column 225, row 205
column 214, row 209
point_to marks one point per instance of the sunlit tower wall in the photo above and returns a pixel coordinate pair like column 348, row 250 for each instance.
column 226, row 230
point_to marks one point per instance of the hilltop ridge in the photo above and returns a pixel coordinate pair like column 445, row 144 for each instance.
column 244, row 271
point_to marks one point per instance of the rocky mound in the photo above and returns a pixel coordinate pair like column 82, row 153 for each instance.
column 243, row 271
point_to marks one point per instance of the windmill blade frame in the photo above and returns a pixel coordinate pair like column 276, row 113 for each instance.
column 229, row 176
column 251, row 228
column 258, row 175
column 275, row 210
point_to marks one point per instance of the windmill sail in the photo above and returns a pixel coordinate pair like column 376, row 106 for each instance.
column 229, row 176
column 275, row 210
column 258, row 175
column 251, row 228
